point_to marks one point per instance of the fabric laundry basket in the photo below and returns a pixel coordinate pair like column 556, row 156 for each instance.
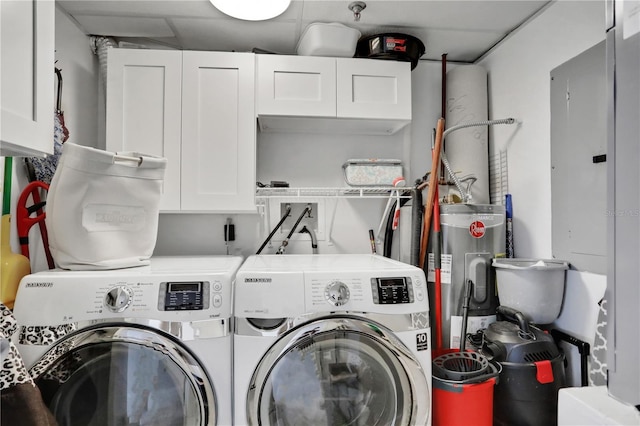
column 103, row 207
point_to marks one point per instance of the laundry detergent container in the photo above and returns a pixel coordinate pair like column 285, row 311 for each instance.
column 534, row 287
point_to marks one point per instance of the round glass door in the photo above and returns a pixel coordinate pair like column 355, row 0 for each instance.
column 124, row 376
column 336, row 371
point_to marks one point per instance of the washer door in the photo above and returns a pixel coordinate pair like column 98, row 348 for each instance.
column 338, row 370
column 124, row 375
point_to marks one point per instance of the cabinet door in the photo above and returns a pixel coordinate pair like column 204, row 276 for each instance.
column 374, row 89
column 218, row 132
column 27, row 58
column 144, row 111
column 296, row 85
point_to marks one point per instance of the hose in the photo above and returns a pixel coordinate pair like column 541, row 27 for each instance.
column 416, row 223
column 478, row 123
column 465, row 195
column 397, row 182
column 312, row 235
column 285, row 242
column 388, row 233
column 275, row 229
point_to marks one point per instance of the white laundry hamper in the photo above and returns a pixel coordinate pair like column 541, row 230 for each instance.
column 103, row 207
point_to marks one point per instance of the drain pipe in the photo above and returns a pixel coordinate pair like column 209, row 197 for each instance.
column 312, row 235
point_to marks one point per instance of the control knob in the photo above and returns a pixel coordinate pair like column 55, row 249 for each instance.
column 337, row 293
column 118, row 298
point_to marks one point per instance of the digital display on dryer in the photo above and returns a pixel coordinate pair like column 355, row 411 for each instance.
column 392, row 290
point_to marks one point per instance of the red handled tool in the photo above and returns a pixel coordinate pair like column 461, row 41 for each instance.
column 25, row 221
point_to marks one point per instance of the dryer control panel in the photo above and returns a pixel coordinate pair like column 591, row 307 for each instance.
column 170, row 289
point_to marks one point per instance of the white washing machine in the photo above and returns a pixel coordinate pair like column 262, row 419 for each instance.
column 150, row 345
column 331, row 339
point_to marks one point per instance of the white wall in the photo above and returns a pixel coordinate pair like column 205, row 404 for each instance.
column 519, row 86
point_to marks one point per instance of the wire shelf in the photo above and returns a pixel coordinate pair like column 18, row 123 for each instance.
column 344, row 192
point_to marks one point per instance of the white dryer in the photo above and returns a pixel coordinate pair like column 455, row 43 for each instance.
column 150, row 345
column 331, row 339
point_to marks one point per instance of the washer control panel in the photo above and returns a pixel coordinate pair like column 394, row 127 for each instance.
column 392, row 290
column 184, row 296
column 366, row 292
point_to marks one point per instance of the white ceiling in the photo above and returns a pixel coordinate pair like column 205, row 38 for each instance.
column 464, row 30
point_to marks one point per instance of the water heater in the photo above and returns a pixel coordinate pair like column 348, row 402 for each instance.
column 472, row 235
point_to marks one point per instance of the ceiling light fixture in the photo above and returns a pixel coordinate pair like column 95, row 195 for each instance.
column 252, row 10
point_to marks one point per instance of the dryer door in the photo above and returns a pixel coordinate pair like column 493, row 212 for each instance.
column 342, row 370
column 124, row 375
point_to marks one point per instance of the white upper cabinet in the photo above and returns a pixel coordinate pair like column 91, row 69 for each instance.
column 144, row 98
column 197, row 109
column 218, row 132
column 296, row 85
column 27, row 77
column 346, row 95
column 374, row 89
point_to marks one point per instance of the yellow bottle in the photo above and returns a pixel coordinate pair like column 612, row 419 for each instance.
column 14, row 266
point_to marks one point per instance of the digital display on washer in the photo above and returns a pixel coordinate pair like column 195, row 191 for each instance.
column 179, row 287
column 392, row 290
column 185, row 295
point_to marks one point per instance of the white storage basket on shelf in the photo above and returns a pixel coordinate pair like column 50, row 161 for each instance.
column 372, row 172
